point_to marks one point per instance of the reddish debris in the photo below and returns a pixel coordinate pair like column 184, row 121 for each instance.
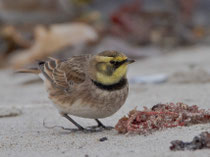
column 198, row 142
column 162, row 116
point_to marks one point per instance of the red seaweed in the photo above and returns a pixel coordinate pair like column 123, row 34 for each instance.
column 162, row 116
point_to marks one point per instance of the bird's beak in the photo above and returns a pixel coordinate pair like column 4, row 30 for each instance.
column 129, row 61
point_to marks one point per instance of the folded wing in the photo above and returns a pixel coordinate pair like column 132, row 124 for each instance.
column 64, row 74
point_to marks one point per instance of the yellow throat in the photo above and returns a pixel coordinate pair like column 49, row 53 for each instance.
column 115, row 77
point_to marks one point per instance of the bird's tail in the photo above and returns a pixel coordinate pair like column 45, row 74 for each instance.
column 30, row 70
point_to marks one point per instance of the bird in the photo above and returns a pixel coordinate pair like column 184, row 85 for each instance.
column 87, row 86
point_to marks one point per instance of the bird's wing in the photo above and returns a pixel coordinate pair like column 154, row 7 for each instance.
column 64, row 74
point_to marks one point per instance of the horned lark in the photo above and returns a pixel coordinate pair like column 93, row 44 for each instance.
column 88, row 86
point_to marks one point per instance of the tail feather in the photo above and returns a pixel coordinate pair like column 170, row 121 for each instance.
column 30, row 70
column 36, row 70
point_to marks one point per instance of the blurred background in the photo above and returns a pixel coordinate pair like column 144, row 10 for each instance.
column 169, row 39
column 32, row 30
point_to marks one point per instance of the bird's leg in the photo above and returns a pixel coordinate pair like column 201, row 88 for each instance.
column 100, row 125
column 75, row 123
column 91, row 129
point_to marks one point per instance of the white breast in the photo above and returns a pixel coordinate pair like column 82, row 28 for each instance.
column 42, row 76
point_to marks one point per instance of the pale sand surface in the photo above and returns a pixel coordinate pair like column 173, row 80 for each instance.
column 24, row 135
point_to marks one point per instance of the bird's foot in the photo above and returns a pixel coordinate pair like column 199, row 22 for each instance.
column 97, row 127
column 85, row 130
column 91, row 129
column 109, row 127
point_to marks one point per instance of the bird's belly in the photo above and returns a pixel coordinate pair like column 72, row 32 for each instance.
column 86, row 110
column 94, row 103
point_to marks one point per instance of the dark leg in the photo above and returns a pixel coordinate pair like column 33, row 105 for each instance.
column 103, row 126
column 100, row 124
column 75, row 123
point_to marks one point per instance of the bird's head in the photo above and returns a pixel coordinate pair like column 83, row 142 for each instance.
column 109, row 67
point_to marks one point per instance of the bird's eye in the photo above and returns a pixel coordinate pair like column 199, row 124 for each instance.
column 113, row 62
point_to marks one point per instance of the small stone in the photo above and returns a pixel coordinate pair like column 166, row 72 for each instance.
column 103, row 139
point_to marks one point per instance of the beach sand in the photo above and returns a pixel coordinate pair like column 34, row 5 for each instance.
column 25, row 135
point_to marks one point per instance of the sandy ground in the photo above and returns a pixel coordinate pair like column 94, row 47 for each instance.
column 24, row 135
